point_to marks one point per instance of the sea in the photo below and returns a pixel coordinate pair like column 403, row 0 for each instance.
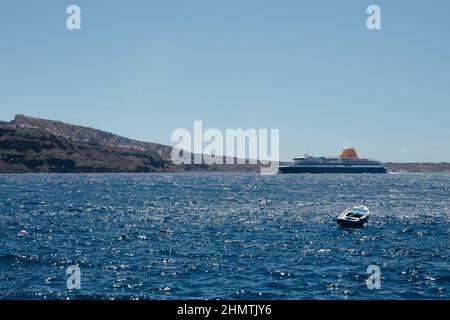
column 223, row 236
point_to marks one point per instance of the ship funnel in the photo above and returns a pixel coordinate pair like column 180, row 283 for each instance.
column 349, row 153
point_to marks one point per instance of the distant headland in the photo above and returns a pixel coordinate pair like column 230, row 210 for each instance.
column 29, row 144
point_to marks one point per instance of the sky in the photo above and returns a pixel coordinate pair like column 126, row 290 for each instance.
column 311, row 69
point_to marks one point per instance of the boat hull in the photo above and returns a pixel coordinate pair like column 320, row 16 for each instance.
column 352, row 224
column 349, row 169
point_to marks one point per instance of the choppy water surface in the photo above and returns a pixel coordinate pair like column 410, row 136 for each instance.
column 230, row 236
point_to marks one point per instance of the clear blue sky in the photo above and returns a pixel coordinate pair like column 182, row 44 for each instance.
column 310, row 68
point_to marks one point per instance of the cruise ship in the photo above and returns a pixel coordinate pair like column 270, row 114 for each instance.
column 347, row 162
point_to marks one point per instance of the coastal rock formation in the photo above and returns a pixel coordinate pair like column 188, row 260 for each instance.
column 91, row 136
column 30, row 144
column 35, row 148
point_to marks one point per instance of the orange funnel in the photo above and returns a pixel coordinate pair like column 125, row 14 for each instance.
column 349, row 153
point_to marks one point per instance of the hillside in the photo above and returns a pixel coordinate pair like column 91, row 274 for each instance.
column 37, row 145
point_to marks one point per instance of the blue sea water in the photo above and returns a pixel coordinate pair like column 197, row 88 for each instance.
column 223, row 235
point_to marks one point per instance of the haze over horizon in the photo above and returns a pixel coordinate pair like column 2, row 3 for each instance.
column 312, row 70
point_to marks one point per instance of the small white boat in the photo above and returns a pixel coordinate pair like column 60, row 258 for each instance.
column 354, row 217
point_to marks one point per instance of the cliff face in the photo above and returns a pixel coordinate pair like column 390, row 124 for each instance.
column 91, row 136
column 32, row 145
column 37, row 145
